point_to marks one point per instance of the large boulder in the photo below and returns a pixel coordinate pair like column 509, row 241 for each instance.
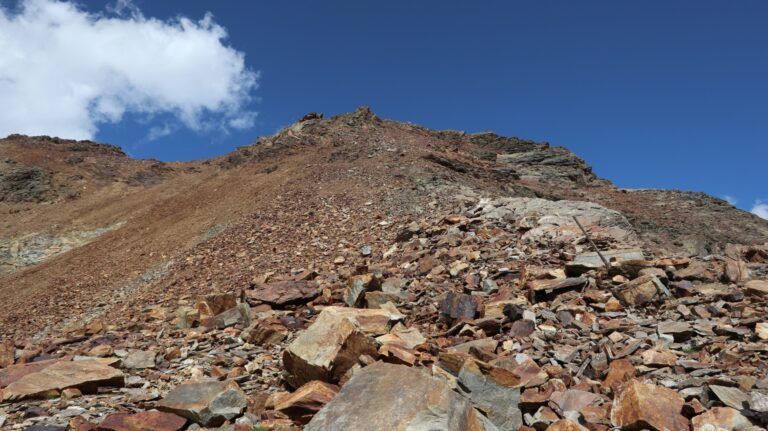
column 87, row 376
column 334, row 342
column 397, row 398
column 207, row 403
column 643, row 406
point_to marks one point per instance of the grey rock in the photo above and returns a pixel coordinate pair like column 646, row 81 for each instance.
column 397, row 398
column 206, row 403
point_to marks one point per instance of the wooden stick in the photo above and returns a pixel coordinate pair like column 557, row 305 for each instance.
column 607, row 265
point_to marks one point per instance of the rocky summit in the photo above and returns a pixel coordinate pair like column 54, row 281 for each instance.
column 356, row 273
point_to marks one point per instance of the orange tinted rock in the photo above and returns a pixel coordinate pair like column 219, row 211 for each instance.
column 302, row 404
column 656, row 358
column 644, row 406
column 619, row 371
column 566, row 425
column 84, row 375
column 151, row 420
column 721, row 418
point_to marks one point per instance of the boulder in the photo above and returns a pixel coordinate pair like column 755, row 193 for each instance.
column 207, row 403
column 215, row 303
column 283, row 293
column 639, row 291
column 397, row 398
column 459, row 306
column 756, row 288
column 721, row 418
column 139, row 359
column 495, row 392
column 142, row 421
column 302, row 404
column 265, row 332
column 357, row 286
column 327, row 349
column 645, row 406
column 87, row 375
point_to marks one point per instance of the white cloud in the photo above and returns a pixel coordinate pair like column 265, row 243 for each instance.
column 64, row 71
column 730, row 199
column 760, row 209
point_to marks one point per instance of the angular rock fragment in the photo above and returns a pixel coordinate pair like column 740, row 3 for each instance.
column 333, row 343
column 639, row 291
column 7, row 353
column 459, row 306
column 283, row 293
column 496, row 394
column 357, row 286
column 265, row 332
column 206, row 403
column 215, row 303
column 638, row 405
column 86, row 375
column 378, row 398
column 566, row 425
column 756, row 288
column 302, row 404
column 139, row 359
column 721, row 418
column 142, row 421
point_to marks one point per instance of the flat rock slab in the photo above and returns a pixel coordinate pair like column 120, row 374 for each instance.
column 397, row 398
column 207, row 403
column 140, row 359
column 143, row 421
column 87, row 376
column 284, row 292
column 15, row 372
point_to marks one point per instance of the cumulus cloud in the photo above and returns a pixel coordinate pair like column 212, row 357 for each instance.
column 65, row 71
column 760, row 209
column 730, row 199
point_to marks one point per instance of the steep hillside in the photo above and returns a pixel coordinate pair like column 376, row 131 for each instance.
column 370, row 241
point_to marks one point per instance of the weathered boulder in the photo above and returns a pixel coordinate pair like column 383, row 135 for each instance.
column 328, row 348
column 283, row 293
column 638, row 291
column 142, row 421
column 215, row 303
column 265, row 332
column 495, row 392
column 756, row 288
column 638, row 405
column 721, row 418
column 302, row 404
column 397, row 398
column 86, row 375
column 206, row 403
column 139, row 359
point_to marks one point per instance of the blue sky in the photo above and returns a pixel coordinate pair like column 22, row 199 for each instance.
column 652, row 94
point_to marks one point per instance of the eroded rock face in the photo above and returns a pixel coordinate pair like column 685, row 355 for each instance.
column 206, row 403
column 84, row 375
column 553, row 220
column 643, row 406
column 376, row 399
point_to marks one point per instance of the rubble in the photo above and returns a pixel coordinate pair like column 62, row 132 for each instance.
column 499, row 316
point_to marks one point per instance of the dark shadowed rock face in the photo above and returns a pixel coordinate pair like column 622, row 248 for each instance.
column 24, row 184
